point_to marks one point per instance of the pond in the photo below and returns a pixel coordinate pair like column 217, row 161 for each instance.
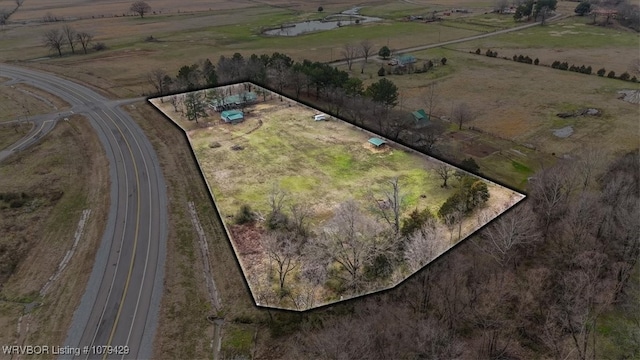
column 348, row 17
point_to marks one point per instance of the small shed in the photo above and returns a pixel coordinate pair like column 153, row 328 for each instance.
column 421, row 118
column 377, row 142
column 232, row 116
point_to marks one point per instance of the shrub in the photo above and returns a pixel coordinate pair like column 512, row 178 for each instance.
column 478, row 51
column 536, row 61
column 277, row 220
column 587, row 70
column 611, row 74
column 214, row 145
column 625, row 76
column 415, row 221
column 556, row 64
column 320, row 9
column 601, row 72
column 634, row 79
column 443, row 61
column 381, row 71
column 100, row 46
column 244, row 215
column 515, row 58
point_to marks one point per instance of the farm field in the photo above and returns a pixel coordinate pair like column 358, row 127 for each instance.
column 515, row 109
column 278, row 151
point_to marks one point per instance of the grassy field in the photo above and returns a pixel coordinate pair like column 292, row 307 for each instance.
column 55, row 181
column 515, row 106
column 320, row 164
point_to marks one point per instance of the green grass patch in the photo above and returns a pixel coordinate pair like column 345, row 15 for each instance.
column 237, row 340
column 570, row 33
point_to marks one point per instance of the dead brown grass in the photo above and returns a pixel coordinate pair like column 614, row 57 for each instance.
column 9, row 134
column 63, row 174
column 20, row 101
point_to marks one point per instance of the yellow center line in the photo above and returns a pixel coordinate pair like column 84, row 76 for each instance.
column 135, row 241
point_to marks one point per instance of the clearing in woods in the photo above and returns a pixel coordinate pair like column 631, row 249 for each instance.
column 290, row 170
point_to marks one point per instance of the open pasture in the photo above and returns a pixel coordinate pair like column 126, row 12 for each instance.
column 319, row 165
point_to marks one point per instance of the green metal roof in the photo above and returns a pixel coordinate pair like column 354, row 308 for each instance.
column 248, row 96
column 420, row 114
column 232, row 115
column 376, row 141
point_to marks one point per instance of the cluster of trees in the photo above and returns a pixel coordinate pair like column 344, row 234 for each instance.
column 537, row 283
column 525, row 59
column 535, row 9
column 59, row 38
column 565, row 66
column 612, row 75
column 359, row 248
column 488, row 53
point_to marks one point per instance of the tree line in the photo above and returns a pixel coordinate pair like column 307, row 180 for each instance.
column 331, row 89
column 59, row 39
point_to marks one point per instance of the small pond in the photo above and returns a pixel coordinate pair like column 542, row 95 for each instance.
column 348, row 17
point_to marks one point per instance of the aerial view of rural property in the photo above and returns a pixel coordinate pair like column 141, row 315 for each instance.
column 320, row 179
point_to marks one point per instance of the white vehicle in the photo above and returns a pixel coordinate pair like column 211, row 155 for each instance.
column 319, row 117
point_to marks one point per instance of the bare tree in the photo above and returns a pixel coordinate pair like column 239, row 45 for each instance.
column 71, row 35
column 84, row 38
column 160, row 81
column 351, row 239
column 283, row 249
column 445, row 172
column 432, row 99
column 54, row 40
column 516, row 228
column 366, row 49
column 390, row 206
column 462, row 114
column 423, row 245
column 140, row 8
column 349, row 52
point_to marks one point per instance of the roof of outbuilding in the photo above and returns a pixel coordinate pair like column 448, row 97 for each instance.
column 377, row 141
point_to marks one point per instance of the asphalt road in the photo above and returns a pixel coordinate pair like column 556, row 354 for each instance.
column 118, row 312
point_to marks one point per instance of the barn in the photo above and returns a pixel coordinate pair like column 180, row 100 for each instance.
column 232, row 116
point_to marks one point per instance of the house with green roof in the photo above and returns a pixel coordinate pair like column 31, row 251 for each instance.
column 232, row 116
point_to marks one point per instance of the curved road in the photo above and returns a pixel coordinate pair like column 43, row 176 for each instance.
column 121, row 303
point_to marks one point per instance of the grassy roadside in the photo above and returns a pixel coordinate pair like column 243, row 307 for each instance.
column 10, row 134
column 183, row 323
column 62, row 175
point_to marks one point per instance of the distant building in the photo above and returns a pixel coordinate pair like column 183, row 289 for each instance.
column 232, row 116
column 377, row 142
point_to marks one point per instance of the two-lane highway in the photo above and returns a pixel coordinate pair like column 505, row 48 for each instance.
column 118, row 312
